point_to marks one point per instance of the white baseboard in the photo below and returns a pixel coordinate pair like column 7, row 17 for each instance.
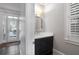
column 56, row 52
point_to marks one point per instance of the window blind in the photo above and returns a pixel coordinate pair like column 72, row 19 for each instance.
column 72, row 22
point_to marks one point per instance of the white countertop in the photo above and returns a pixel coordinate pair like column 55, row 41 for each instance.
column 43, row 34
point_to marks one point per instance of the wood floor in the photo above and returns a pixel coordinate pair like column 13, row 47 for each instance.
column 10, row 48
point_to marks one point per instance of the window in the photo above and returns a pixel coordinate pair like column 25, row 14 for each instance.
column 12, row 25
column 72, row 22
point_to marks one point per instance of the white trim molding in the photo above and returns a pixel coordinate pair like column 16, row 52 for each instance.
column 72, row 42
column 57, row 52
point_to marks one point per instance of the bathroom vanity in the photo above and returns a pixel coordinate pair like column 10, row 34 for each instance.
column 44, row 43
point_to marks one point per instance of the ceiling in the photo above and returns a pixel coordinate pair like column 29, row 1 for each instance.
column 13, row 6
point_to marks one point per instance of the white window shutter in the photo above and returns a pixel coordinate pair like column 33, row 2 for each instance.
column 72, row 22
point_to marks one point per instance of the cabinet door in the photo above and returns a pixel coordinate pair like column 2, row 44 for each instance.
column 44, row 46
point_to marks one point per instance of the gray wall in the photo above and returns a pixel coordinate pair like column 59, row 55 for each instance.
column 54, row 22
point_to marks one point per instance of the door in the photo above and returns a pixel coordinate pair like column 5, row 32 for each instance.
column 9, row 28
column 9, row 35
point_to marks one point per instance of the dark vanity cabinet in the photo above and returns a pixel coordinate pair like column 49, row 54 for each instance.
column 44, row 46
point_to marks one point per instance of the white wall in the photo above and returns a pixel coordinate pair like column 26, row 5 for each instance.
column 54, row 22
column 53, row 16
column 29, row 31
